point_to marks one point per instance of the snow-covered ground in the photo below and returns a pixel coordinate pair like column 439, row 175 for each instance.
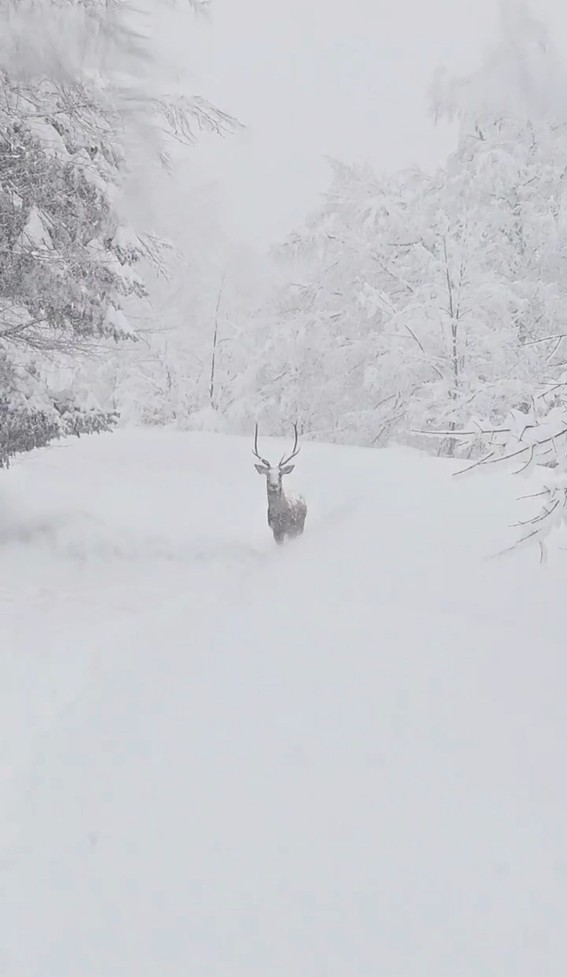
column 344, row 757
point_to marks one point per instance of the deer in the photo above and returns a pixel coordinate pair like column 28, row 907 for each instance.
column 286, row 514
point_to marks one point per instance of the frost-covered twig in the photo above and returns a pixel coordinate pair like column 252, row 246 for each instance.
column 535, row 441
column 187, row 116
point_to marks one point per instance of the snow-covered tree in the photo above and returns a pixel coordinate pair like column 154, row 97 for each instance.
column 512, row 117
column 64, row 269
column 76, row 107
column 419, row 302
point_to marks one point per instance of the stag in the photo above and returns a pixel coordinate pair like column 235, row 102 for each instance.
column 286, row 514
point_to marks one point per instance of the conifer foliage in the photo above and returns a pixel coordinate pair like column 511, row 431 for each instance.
column 63, row 274
column 75, row 106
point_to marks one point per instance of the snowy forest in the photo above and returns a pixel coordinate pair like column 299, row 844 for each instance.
column 283, row 488
column 424, row 308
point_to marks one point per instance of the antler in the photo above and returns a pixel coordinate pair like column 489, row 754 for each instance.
column 294, row 451
column 255, row 450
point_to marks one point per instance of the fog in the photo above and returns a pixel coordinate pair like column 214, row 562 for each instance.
column 316, row 78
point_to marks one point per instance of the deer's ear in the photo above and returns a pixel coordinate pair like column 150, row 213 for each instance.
column 261, row 469
column 287, row 469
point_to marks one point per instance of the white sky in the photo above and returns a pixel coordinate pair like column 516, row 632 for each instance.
column 311, row 78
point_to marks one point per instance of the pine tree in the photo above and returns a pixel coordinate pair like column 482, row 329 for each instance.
column 74, row 108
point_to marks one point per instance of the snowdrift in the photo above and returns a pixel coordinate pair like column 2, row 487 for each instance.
column 220, row 757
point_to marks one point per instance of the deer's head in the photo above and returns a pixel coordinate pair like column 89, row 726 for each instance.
column 275, row 473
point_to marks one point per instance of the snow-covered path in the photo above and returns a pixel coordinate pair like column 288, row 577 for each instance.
column 343, row 757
